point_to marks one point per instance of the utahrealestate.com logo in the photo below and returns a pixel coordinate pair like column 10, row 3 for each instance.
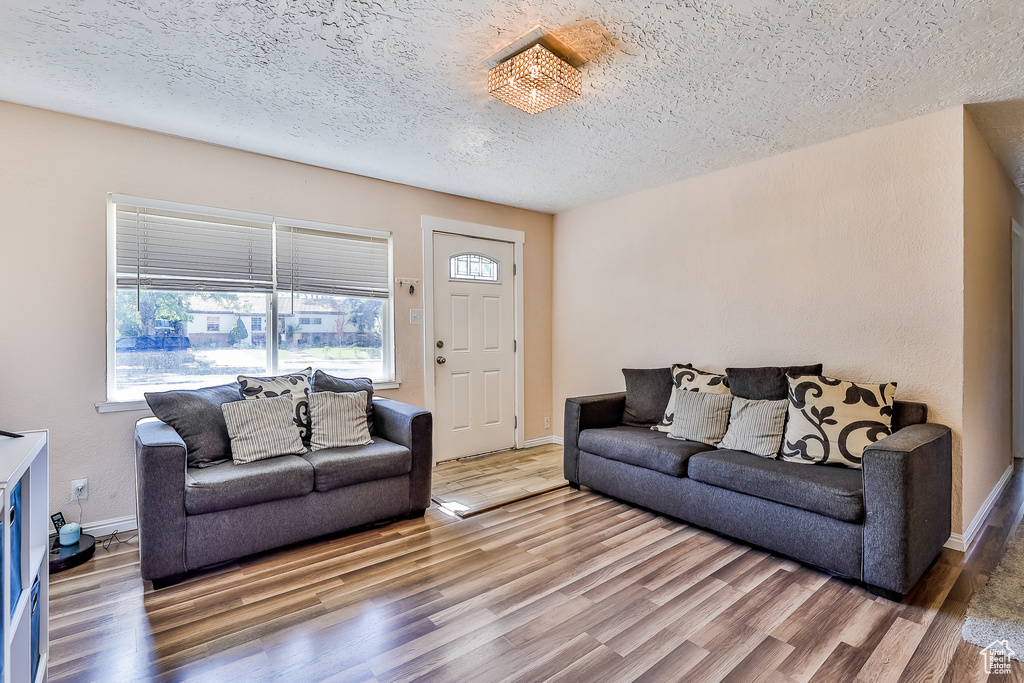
column 997, row 657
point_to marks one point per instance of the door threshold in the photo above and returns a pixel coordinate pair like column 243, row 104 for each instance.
column 477, row 455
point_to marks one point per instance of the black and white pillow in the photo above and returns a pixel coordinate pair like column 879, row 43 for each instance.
column 688, row 378
column 296, row 385
column 262, row 429
column 339, row 420
column 700, row 416
column 833, row 421
column 756, row 426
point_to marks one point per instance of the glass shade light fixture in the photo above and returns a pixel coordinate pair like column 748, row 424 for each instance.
column 534, row 80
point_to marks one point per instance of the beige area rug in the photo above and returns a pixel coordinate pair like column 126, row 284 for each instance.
column 469, row 486
column 996, row 614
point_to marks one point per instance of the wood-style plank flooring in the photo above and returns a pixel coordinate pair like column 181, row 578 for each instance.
column 476, row 484
column 566, row 586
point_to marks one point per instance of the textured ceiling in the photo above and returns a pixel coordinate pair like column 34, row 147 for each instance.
column 396, row 89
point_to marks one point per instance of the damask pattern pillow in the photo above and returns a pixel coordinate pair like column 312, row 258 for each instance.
column 833, row 421
column 297, row 385
column 689, row 378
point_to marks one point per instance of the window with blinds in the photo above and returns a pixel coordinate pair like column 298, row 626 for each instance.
column 202, row 295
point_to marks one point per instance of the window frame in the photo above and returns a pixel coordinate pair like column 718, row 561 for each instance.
column 388, row 381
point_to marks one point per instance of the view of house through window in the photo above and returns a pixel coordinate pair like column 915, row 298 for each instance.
column 206, row 327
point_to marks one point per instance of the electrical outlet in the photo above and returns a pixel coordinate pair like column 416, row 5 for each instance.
column 547, row 423
column 79, row 489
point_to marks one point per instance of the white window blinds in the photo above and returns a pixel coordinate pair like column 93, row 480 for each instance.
column 326, row 262
column 162, row 248
column 161, row 245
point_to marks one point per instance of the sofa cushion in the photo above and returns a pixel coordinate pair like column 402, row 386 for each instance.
column 297, row 385
column 688, row 378
column 341, row 385
column 196, row 415
column 647, row 394
column 262, row 429
column 832, row 491
column 228, row 486
column 766, row 384
column 699, row 416
column 641, row 447
column 337, row 467
column 338, row 419
column 832, row 420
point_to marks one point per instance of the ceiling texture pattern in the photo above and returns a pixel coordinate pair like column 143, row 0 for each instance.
column 397, row 89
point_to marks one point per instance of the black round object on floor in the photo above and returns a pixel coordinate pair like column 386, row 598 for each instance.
column 67, row 556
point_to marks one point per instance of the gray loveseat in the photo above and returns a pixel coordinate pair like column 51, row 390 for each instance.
column 882, row 525
column 191, row 517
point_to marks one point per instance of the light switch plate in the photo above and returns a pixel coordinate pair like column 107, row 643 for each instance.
column 416, row 316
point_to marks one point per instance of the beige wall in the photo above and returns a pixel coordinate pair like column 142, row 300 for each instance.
column 55, row 171
column 848, row 252
column 990, row 201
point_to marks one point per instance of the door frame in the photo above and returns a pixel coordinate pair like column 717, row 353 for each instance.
column 1017, row 336
column 433, row 224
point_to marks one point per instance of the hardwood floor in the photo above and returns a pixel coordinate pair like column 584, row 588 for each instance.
column 473, row 485
column 566, row 586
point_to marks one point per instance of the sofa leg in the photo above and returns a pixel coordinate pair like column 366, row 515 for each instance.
column 885, row 593
column 167, row 581
column 414, row 514
column 574, row 485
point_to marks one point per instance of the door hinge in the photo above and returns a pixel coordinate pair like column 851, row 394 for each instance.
column 515, row 422
column 515, row 346
column 513, row 269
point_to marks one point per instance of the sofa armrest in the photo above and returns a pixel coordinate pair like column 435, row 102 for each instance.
column 587, row 412
column 908, row 497
column 411, row 427
column 160, row 463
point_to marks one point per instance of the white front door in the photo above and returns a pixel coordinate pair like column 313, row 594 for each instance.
column 474, row 355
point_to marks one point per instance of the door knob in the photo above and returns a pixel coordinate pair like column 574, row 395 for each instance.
column 441, row 360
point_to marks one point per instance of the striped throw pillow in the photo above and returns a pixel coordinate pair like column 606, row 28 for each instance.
column 338, row 419
column 262, row 429
column 700, row 416
column 756, row 426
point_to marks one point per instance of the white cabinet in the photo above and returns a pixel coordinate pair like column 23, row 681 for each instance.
column 24, row 477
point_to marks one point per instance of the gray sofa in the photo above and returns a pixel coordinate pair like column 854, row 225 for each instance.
column 882, row 525
column 191, row 517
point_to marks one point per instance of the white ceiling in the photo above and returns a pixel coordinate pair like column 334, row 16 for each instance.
column 396, row 89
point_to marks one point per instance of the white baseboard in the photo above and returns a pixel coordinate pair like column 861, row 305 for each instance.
column 109, row 526
column 544, row 441
column 963, row 542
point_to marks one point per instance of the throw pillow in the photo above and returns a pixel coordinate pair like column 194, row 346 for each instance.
column 339, row 419
column 647, row 395
column 755, row 426
column 324, row 382
column 700, row 416
column 262, row 429
column 295, row 385
column 766, row 384
column 196, row 415
column 832, row 421
column 689, row 378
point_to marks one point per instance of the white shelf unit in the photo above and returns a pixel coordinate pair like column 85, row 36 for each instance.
column 25, row 460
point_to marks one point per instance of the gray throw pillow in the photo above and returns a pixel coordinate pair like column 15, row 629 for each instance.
column 339, row 385
column 196, row 415
column 765, row 384
column 647, row 394
column 296, row 385
column 700, row 416
column 262, row 429
column 339, row 420
column 756, row 426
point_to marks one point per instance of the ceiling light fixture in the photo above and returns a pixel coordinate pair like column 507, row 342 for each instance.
column 534, row 80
